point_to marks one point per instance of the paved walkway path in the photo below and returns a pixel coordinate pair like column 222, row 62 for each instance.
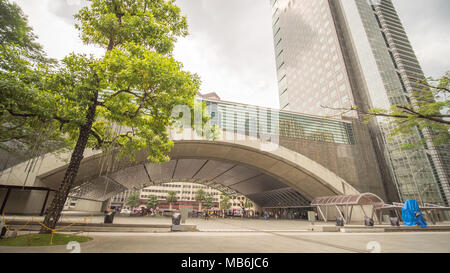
column 255, row 242
column 247, row 236
column 213, row 224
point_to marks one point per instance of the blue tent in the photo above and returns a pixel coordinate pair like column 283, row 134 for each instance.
column 412, row 215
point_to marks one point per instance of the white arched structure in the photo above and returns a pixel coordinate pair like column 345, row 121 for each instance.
column 244, row 166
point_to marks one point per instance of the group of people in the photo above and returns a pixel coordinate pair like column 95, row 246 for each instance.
column 270, row 214
column 142, row 211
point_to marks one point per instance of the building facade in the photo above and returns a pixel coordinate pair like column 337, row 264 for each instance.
column 333, row 54
column 185, row 195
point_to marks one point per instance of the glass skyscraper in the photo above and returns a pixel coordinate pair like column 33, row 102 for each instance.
column 333, row 54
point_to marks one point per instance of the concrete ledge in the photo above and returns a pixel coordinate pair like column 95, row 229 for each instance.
column 83, row 227
column 375, row 229
column 186, row 228
column 429, row 228
column 325, row 228
column 253, row 230
column 361, row 230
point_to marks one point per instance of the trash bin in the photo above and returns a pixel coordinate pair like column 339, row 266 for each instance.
column 176, row 220
column 394, row 221
column 311, row 216
column 368, row 222
column 339, row 222
column 109, row 217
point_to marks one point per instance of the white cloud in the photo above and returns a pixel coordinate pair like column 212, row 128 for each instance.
column 231, row 45
column 58, row 37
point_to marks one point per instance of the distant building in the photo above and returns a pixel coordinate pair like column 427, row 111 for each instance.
column 209, row 96
column 185, row 195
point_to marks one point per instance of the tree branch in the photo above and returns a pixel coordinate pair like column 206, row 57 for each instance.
column 20, row 115
column 435, row 87
column 97, row 136
column 59, row 119
column 435, row 118
column 124, row 91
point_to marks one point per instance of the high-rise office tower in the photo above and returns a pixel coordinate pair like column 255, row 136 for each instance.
column 338, row 53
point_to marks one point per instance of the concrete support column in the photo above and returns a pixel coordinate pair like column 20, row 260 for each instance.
column 5, row 200
column 45, row 203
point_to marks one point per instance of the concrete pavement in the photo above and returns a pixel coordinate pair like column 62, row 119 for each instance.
column 243, row 235
column 247, row 236
column 255, row 242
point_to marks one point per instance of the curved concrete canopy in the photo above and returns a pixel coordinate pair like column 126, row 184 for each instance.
column 283, row 165
column 239, row 166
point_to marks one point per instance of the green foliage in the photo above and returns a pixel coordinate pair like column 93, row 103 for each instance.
column 43, row 240
column 171, row 197
column 208, row 201
column 203, row 127
column 197, row 119
column 225, row 202
column 122, row 101
column 426, row 110
column 133, row 200
column 152, row 201
column 429, row 110
column 27, row 125
column 15, row 32
column 246, row 203
column 134, row 86
column 155, row 24
column 200, row 195
column 148, row 86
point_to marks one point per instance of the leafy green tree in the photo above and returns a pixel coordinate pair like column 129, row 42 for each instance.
column 123, row 100
column 152, row 201
column 15, row 33
column 209, row 201
column 171, row 198
column 133, row 200
column 224, row 203
column 427, row 110
column 24, row 108
column 245, row 204
column 200, row 198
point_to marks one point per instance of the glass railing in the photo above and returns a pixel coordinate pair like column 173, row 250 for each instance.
column 248, row 119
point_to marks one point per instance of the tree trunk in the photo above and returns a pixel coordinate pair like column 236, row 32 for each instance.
column 54, row 211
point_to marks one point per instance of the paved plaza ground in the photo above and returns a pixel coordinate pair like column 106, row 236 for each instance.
column 213, row 224
column 255, row 242
column 245, row 236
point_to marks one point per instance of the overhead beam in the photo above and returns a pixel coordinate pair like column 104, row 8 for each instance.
column 148, row 174
column 200, row 169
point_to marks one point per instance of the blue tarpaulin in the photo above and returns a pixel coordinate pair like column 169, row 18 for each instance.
column 412, row 215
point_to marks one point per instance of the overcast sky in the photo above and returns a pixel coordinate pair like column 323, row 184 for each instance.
column 230, row 43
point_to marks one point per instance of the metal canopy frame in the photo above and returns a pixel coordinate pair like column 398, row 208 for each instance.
column 429, row 211
column 344, row 204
